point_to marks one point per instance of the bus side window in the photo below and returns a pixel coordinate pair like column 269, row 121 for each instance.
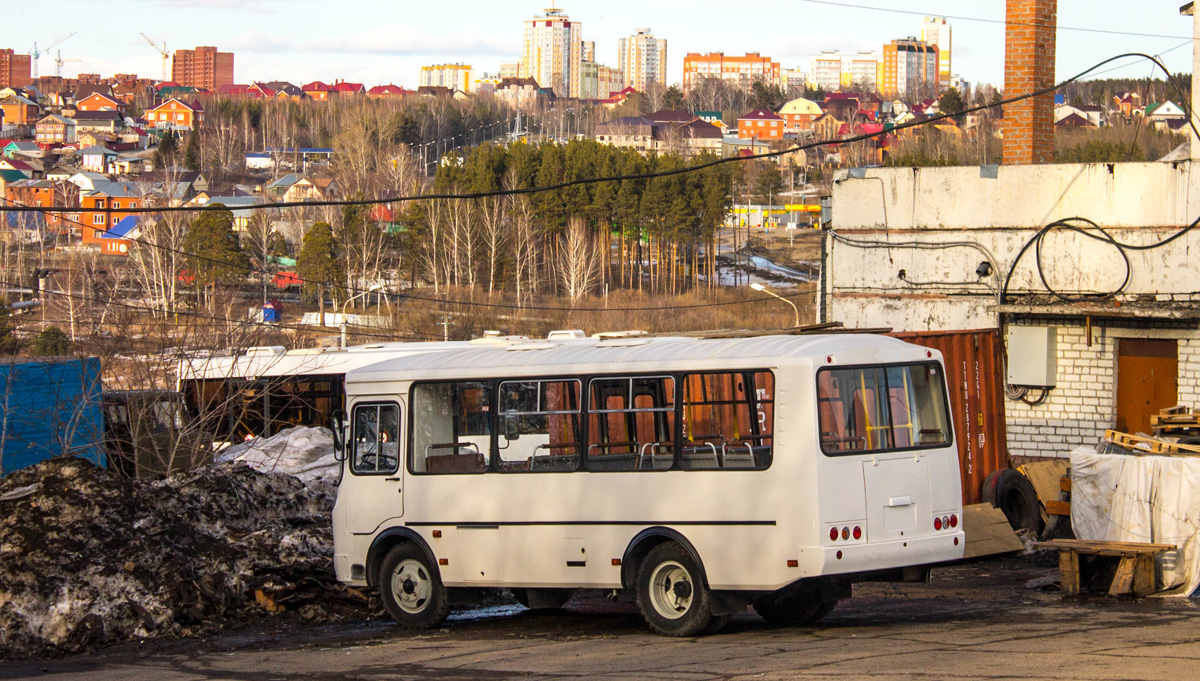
column 631, row 424
column 728, row 420
column 376, row 439
column 539, row 426
column 451, row 427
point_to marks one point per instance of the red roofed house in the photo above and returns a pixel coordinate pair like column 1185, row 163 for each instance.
column 99, row 102
column 317, row 90
column 760, row 124
column 175, row 112
column 381, row 91
column 343, row 89
column 263, row 90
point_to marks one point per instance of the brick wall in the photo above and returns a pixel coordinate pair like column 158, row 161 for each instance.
column 1029, row 47
column 1083, row 405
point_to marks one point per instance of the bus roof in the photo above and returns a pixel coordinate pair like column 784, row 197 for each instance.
column 534, row 357
column 271, row 362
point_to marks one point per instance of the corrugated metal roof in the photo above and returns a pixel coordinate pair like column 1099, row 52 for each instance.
column 639, row 354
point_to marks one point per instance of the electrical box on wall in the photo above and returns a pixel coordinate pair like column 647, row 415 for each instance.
column 1032, row 356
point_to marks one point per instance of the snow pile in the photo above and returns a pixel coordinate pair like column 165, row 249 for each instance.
column 306, row 453
column 87, row 557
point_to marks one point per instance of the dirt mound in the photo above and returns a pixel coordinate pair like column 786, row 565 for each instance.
column 88, row 558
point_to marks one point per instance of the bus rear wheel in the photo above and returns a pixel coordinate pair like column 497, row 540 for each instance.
column 793, row 609
column 411, row 588
column 671, row 592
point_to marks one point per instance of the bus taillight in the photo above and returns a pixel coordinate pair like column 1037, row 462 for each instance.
column 937, row 524
column 857, row 532
column 833, row 534
column 953, row 521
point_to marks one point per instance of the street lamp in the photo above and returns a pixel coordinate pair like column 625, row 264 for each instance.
column 372, row 289
column 763, row 289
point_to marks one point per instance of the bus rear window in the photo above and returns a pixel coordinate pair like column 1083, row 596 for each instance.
column 881, row 409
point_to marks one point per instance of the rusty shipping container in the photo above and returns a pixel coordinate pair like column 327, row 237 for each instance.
column 975, row 381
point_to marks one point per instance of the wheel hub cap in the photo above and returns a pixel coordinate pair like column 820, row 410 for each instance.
column 671, row 590
column 411, row 586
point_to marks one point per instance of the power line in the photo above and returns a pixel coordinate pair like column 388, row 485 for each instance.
column 1003, row 22
column 585, row 181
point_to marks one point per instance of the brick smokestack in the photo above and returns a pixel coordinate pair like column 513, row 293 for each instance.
column 1029, row 46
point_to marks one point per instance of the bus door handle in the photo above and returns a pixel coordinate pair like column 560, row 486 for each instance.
column 391, row 479
column 895, row 502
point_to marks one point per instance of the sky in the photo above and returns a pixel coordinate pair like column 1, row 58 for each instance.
column 387, row 41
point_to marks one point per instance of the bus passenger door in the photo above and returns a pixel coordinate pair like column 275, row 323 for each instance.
column 373, row 490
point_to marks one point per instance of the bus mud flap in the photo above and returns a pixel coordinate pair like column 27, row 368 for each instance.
column 731, row 602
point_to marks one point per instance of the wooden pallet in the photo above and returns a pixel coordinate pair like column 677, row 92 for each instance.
column 1135, row 564
column 1140, row 444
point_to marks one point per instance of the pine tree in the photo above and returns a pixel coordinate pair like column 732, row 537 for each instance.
column 318, row 263
column 51, row 343
column 9, row 344
column 191, row 154
column 168, row 148
column 215, row 254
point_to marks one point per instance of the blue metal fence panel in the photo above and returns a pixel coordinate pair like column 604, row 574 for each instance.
column 49, row 407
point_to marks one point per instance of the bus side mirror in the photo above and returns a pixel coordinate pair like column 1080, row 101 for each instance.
column 337, row 422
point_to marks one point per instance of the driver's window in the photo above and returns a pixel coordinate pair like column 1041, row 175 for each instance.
column 376, row 439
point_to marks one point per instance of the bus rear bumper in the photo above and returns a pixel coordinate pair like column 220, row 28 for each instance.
column 870, row 557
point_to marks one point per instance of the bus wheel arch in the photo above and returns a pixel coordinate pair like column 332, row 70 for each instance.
column 411, row 587
column 385, row 542
column 645, row 541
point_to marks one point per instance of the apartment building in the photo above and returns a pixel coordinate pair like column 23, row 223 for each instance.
column 860, row 71
column 935, row 31
column 203, row 67
column 741, row 71
column 15, row 69
column 825, row 71
column 597, row 81
column 453, row 76
column 642, row 59
column 553, row 52
column 909, row 69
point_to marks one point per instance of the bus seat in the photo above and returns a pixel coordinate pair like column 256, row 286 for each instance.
column 455, row 463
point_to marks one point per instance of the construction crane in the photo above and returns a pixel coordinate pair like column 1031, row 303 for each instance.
column 59, row 61
column 161, row 50
column 35, row 53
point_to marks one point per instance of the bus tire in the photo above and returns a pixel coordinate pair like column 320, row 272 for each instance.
column 793, row 609
column 542, row 599
column 1014, row 495
column 411, row 588
column 671, row 592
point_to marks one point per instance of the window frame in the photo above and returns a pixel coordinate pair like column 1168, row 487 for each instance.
column 676, row 433
column 885, row 366
column 353, row 440
column 752, row 401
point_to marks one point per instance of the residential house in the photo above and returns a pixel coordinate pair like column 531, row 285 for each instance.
column 98, row 101
column 1161, row 115
column 799, row 114
column 1093, row 114
column 242, row 207
column 311, row 189
column 281, row 186
column 19, row 110
column 522, row 94
column 317, row 91
column 1073, row 120
column 103, row 207
column 388, row 91
column 55, row 131
column 1128, row 103
column 761, row 124
column 285, row 90
column 107, row 121
column 17, row 165
column 661, row 132
column 343, row 89
column 827, row 126
column 119, row 238
column 96, row 159
column 241, row 90
column 88, row 180
column 617, row 98
column 45, row 194
column 21, row 149
column 175, row 113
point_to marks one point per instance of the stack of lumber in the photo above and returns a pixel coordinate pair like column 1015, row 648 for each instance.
column 1177, row 422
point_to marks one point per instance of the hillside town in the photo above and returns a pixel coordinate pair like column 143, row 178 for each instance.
column 538, row 367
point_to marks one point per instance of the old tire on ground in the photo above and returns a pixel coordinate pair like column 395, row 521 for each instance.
column 542, row 599
column 1014, row 495
column 411, row 588
column 793, row 607
column 671, row 592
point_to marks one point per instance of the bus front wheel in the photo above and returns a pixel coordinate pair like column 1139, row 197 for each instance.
column 671, row 592
column 411, row 588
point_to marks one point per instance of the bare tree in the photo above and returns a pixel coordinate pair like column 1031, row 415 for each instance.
column 578, row 261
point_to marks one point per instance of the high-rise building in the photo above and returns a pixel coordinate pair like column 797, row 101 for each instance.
column 553, row 52
column 643, row 59
column 793, row 81
column 453, row 76
column 860, row 71
column 740, row 71
column 510, row 69
column 203, row 67
column 15, row 69
column 935, row 31
column 909, row 70
column 597, row 81
column 825, row 71
column 588, row 50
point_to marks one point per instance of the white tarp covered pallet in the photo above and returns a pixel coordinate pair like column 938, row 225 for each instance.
column 1141, row 498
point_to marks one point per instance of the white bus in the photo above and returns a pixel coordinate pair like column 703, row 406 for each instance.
column 704, row 475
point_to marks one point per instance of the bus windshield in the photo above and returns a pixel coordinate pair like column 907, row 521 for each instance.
column 882, row 409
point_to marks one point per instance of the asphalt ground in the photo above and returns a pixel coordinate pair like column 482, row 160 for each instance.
column 998, row 618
